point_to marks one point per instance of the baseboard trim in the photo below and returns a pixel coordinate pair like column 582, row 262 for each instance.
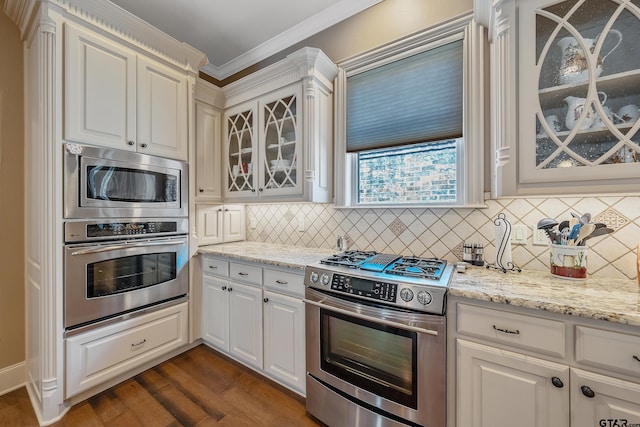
column 12, row 377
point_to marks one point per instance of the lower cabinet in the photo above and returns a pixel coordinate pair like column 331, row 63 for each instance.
column 284, row 333
column 101, row 354
column 262, row 328
column 503, row 388
column 499, row 382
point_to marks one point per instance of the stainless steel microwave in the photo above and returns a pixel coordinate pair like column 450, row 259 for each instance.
column 108, row 183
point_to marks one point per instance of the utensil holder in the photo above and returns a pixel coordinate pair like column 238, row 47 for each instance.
column 568, row 262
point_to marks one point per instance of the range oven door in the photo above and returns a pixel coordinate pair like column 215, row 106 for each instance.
column 102, row 182
column 385, row 360
column 108, row 279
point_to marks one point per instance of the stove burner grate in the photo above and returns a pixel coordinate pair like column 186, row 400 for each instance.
column 424, row 268
column 351, row 259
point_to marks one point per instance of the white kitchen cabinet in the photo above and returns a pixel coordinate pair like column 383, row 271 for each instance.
column 596, row 399
column 115, row 97
column 101, row 354
column 566, row 92
column 232, row 319
column 220, row 224
column 262, row 328
column 208, row 160
column 502, row 388
column 278, row 144
column 284, row 339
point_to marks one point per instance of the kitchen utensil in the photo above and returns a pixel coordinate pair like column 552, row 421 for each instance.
column 564, row 224
column 582, row 219
column 598, row 232
column 547, row 225
column 584, row 232
column 573, row 234
column 574, row 66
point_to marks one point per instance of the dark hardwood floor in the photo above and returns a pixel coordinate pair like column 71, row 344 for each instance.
column 197, row 388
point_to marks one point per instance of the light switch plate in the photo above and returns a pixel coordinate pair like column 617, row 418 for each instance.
column 539, row 237
column 519, row 234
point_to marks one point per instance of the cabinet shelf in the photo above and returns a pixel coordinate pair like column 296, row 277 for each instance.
column 283, row 144
column 614, row 85
column 590, row 135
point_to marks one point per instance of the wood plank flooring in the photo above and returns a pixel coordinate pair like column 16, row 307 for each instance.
column 197, row 388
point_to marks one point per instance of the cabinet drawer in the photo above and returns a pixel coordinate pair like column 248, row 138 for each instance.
column 215, row 267
column 284, row 282
column 534, row 333
column 606, row 349
column 245, row 273
column 96, row 356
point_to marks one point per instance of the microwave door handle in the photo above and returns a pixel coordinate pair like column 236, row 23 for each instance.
column 102, row 248
column 371, row 319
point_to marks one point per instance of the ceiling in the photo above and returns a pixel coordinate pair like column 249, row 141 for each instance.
column 235, row 34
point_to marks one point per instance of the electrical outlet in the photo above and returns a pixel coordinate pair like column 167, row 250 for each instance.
column 519, row 234
column 539, row 237
column 253, row 222
column 301, row 227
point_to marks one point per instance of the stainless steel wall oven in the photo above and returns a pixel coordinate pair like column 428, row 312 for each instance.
column 376, row 340
column 114, row 267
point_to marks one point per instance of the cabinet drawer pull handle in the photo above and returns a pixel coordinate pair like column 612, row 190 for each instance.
column 201, row 190
column 266, row 300
column 281, row 282
column 143, row 145
column 636, row 358
column 243, row 274
column 587, row 392
column 506, row 331
column 213, row 267
column 230, row 289
column 224, row 288
column 138, row 344
column 130, row 142
column 557, row 382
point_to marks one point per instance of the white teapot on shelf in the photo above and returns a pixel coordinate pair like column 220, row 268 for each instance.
column 574, row 67
column 575, row 109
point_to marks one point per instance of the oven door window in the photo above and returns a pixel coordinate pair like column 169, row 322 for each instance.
column 130, row 185
column 371, row 356
column 117, row 275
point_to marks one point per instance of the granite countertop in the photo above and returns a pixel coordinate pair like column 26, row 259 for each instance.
column 613, row 300
column 288, row 256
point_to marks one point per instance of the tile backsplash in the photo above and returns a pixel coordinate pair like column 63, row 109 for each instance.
column 441, row 232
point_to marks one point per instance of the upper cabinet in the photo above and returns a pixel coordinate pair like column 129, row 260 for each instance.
column 117, row 98
column 278, row 131
column 569, row 69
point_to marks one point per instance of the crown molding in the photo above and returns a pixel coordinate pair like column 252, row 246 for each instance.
column 305, row 29
column 114, row 20
column 209, row 93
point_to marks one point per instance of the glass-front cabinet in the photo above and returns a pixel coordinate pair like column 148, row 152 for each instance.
column 264, row 145
column 576, row 86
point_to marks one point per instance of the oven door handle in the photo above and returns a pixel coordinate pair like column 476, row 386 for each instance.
column 371, row 319
column 102, row 248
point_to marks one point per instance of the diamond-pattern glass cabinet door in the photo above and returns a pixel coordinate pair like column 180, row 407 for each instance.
column 281, row 142
column 241, row 151
column 579, row 90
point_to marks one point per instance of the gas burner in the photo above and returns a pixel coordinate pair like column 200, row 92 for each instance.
column 351, row 259
column 424, row 268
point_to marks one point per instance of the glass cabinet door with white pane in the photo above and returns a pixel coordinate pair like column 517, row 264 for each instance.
column 241, row 151
column 579, row 92
column 280, row 143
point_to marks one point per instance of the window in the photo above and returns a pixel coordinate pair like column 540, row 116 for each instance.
column 409, row 121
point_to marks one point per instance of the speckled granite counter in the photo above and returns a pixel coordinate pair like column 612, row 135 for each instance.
column 613, row 300
column 287, row 256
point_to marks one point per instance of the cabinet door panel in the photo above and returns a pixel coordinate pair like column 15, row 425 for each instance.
column 501, row 388
column 210, row 219
column 234, row 223
column 100, row 90
column 245, row 323
column 215, row 312
column 284, row 345
column 208, row 159
column 162, row 111
column 613, row 399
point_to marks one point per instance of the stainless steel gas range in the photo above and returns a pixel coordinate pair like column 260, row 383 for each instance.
column 376, row 339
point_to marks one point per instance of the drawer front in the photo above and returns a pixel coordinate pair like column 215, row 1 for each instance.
column 245, row 273
column 104, row 353
column 611, row 350
column 284, row 282
column 215, row 267
column 530, row 332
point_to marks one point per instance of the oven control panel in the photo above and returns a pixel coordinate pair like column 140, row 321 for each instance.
column 364, row 288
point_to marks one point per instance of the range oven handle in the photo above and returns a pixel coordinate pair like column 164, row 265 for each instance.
column 102, row 248
column 371, row 319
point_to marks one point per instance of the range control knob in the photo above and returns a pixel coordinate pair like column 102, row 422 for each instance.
column 324, row 279
column 314, row 277
column 424, row 297
column 406, row 294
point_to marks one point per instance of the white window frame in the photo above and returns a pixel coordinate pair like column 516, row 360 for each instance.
column 470, row 170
